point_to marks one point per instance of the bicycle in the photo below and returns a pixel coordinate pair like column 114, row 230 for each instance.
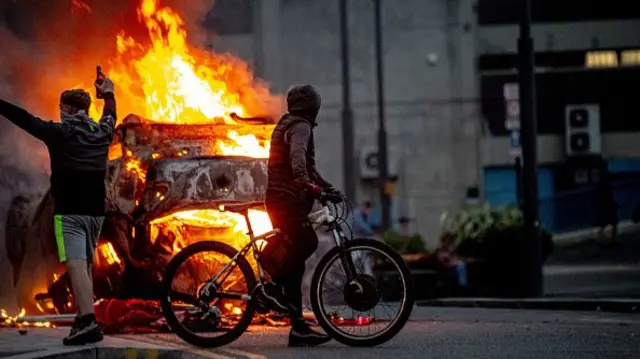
column 203, row 311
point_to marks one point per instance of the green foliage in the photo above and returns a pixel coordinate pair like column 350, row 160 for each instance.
column 474, row 224
column 405, row 244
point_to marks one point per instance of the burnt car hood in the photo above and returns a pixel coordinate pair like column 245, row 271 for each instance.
column 176, row 184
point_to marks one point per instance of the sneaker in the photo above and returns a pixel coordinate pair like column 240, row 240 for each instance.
column 302, row 335
column 271, row 296
column 88, row 332
column 77, row 325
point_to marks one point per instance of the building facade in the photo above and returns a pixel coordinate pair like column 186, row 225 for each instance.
column 445, row 64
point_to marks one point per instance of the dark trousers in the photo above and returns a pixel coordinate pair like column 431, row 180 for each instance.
column 301, row 242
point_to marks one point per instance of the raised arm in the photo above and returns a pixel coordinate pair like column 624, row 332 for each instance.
column 42, row 130
column 109, row 113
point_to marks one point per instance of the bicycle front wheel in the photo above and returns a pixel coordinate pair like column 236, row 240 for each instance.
column 371, row 306
column 202, row 314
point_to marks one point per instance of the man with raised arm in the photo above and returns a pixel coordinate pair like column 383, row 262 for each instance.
column 78, row 148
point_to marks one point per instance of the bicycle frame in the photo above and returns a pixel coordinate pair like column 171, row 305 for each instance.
column 322, row 218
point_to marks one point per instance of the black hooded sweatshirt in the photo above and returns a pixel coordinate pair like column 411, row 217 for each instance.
column 292, row 161
column 78, row 149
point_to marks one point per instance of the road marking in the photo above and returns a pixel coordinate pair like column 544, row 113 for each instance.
column 131, row 353
column 248, row 355
column 172, row 345
column 205, row 353
column 151, row 354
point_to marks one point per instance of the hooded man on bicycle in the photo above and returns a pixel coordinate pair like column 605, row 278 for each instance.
column 294, row 184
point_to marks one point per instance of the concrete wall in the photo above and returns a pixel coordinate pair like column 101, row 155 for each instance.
column 566, row 36
column 432, row 117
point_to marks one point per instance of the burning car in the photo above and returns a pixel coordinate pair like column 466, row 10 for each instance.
column 165, row 183
column 195, row 137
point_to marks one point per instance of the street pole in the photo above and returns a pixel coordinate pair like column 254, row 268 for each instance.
column 529, row 154
column 385, row 188
column 518, row 169
column 348, row 163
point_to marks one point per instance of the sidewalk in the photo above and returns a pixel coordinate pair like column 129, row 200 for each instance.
column 589, row 234
column 581, row 275
column 615, row 305
column 47, row 343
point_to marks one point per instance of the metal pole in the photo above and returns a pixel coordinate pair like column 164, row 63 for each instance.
column 385, row 200
column 529, row 154
column 348, row 161
column 518, row 169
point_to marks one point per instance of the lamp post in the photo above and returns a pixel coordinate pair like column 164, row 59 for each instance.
column 529, row 137
column 348, row 164
column 383, row 165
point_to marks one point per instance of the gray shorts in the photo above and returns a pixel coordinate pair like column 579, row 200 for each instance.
column 77, row 236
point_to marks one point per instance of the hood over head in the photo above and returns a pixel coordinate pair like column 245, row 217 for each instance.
column 81, row 115
column 304, row 101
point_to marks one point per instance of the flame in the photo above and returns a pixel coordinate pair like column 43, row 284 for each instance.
column 233, row 225
column 243, row 145
column 108, row 253
column 134, row 166
column 167, row 81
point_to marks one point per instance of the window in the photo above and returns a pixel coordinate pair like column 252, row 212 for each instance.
column 601, row 59
column 630, row 58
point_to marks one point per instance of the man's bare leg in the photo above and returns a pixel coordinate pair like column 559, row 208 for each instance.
column 82, row 285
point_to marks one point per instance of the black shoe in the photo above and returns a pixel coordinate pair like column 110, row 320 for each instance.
column 271, row 296
column 77, row 325
column 303, row 336
column 88, row 332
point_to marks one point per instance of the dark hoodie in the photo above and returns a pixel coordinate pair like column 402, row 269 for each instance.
column 292, row 161
column 78, row 149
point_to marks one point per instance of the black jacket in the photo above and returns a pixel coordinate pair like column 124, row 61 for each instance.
column 292, row 155
column 78, row 149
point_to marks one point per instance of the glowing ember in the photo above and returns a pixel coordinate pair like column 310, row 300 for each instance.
column 133, row 165
column 18, row 322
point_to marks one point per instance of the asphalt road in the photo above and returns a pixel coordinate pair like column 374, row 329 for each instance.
column 461, row 333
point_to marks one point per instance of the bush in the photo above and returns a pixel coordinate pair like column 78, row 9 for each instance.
column 487, row 232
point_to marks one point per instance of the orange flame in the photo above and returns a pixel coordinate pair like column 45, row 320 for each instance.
column 209, row 218
column 169, row 82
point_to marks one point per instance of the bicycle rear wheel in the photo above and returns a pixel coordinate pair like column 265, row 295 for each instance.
column 354, row 303
column 193, row 310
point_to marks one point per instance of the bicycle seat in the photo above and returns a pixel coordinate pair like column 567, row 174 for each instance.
column 241, row 207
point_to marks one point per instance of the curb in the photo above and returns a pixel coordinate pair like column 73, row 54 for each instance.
column 578, row 237
column 108, row 352
column 46, row 343
column 604, row 305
